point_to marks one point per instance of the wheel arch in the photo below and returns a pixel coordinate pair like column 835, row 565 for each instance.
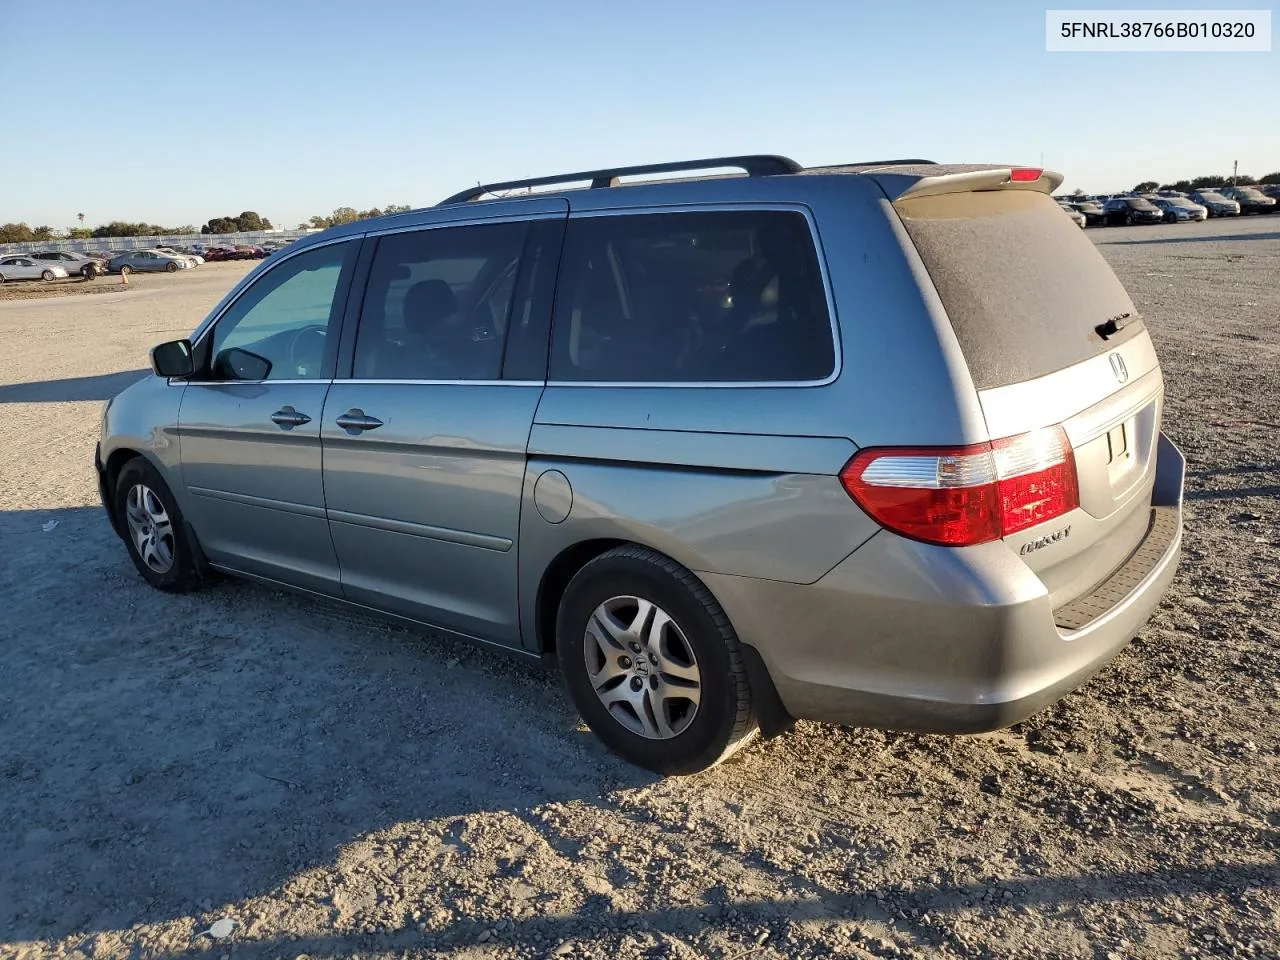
column 114, row 464
column 555, row 580
column 111, row 467
column 771, row 714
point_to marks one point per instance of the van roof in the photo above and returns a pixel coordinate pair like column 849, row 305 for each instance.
column 897, row 179
column 906, row 175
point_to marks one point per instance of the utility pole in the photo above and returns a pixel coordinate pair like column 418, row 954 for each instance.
column 1235, row 169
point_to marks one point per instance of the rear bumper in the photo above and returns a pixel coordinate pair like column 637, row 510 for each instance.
column 903, row 635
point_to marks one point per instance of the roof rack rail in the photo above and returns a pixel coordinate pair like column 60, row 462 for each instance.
column 755, row 165
column 891, row 163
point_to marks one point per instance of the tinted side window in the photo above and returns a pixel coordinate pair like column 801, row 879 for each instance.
column 285, row 318
column 691, row 297
column 438, row 303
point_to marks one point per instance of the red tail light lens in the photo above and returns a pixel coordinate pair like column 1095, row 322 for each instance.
column 959, row 496
column 1025, row 174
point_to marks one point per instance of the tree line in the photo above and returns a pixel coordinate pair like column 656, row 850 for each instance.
column 247, row 221
column 21, row 233
column 1207, row 182
column 350, row 215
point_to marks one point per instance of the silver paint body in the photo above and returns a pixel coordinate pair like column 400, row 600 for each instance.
column 23, row 267
column 453, row 512
column 144, row 261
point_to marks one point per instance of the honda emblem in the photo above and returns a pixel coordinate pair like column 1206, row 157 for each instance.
column 1118, row 367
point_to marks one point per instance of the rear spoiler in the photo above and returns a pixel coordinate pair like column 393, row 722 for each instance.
column 901, row 183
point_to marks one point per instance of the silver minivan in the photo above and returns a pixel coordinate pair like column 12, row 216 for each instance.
column 872, row 444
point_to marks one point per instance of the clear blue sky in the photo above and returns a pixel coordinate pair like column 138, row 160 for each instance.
column 177, row 112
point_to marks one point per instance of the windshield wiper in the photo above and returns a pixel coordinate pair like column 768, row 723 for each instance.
column 1114, row 325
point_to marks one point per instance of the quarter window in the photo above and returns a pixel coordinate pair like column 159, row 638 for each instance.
column 285, row 318
column 732, row 296
column 438, row 303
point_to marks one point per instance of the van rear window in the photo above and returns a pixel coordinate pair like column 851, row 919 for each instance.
column 1024, row 286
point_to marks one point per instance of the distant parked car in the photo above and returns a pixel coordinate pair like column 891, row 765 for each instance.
column 1177, row 209
column 192, row 259
column 1217, row 204
column 1076, row 216
column 148, row 261
column 81, row 263
column 1094, row 215
column 1251, row 199
column 27, row 268
column 239, row 253
column 1131, row 210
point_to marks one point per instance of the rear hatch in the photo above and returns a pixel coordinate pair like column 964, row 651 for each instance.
column 1050, row 338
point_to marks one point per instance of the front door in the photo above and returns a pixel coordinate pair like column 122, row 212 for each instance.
column 250, row 422
column 425, row 443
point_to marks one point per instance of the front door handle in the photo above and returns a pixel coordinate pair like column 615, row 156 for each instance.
column 287, row 418
column 354, row 421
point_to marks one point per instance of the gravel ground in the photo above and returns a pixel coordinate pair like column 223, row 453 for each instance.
column 72, row 286
column 338, row 786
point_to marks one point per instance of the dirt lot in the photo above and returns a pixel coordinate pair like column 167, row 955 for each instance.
column 111, row 283
column 343, row 787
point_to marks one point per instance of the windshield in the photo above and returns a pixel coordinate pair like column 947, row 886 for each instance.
column 1137, row 203
column 1249, row 191
column 1211, row 195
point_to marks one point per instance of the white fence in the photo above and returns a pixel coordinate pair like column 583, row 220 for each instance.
column 248, row 238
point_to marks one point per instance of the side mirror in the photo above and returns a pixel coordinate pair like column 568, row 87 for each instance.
column 236, row 364
column 172, row 359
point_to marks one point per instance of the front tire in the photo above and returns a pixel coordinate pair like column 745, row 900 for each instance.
column 171, row 268
column 153, row 529
column 89, row 271
column 653, row 664
column 125, row 270
column 48, row 276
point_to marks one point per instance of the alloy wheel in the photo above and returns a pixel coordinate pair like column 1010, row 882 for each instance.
column 642, row 667
column 150, row 527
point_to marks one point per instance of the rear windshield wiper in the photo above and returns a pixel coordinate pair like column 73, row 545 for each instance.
column 1114, row 325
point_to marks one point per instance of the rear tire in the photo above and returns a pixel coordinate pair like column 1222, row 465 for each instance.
column 48, row 276
column 653, row 664
column 153, row 529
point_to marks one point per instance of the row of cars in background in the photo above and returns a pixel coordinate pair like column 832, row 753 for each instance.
column 1170, row 206
column 53, row 265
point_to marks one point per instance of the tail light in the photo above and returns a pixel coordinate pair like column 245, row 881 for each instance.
column 959, row 496
column 1025, row 174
